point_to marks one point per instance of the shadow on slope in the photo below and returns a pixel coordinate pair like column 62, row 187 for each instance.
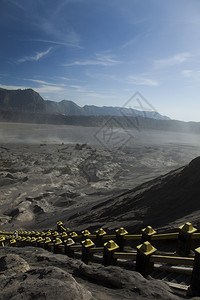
column 166, row 201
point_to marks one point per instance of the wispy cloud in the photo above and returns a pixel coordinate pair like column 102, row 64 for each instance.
column 187, row 73
column 59, row 32
column 39, row 81
column 16, row 3
column 104, row 75
column 130, row 42
column 71, row 39
column 171, row 61
column 13, row 87
column 61, row 5
column 48, row 89
column 41, row 89
column 100, row 60
column 64, row 78
column 49, row 21
column 141, row 80
column 35, row 57
column 193, row 76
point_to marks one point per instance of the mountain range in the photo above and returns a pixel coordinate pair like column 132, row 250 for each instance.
column 27, row 106
column 30, row 101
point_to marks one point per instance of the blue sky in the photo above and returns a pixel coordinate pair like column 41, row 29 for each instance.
column 102, row 52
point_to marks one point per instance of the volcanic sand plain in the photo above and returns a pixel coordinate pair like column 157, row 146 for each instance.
column 53, row 172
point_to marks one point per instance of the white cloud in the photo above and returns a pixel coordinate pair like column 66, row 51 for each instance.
column 187, row 73
column 35, row 57
column 130, row 42
column 42, row 89
column 64, row 78
column 39, row 81
column 193, row 76
column 104, row 76
column 171, row 61
column 100, row 60
column 48, row 89
column 141, row 80
column 13, row 87
column 61, row 35
column 70, row 41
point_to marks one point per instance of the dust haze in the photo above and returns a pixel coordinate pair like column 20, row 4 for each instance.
column 57, row 134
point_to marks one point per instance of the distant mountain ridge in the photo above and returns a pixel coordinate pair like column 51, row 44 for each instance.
column 22, row 100
column 30, row 101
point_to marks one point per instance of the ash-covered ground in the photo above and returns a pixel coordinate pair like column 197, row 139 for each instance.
column 50, row 172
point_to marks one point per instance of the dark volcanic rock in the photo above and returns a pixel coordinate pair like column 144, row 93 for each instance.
column 13, row 264
column 10, row 176
column 37, row 209
column 133, row 281
column 44, row 283
column 39, row 274
column 13, row 212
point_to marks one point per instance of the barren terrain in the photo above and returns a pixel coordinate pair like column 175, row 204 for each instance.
column 89, row 178
column 53, row 172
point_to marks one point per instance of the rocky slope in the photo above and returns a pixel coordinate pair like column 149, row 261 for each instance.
column 34, row 273
column 39, row 183
column 87, row 186
column 165, row 202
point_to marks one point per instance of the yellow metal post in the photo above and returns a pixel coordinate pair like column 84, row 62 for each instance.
column 40, row 241
column 120, row 233
column 143, row 264
column 85, row 234
column 147, row 233
column 99, row 237
column 184, row 244
column 28, row 241
column 33, row 241
column 47, row 243
column 59, row 224
column 68, row 250
column 64, row 236
column 87, row 256
column 74, row 235
column 109, row 248
column 57, row 242
column 2, row 241
column 12, row 242
column 194, row 289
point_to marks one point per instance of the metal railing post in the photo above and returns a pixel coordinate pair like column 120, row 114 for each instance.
column 194, row 289
column 147, row 233
column 185, row 239
column 87, row 256
column 99, row 236
column 143, row 264
column 120, row 233
column 109, row 248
